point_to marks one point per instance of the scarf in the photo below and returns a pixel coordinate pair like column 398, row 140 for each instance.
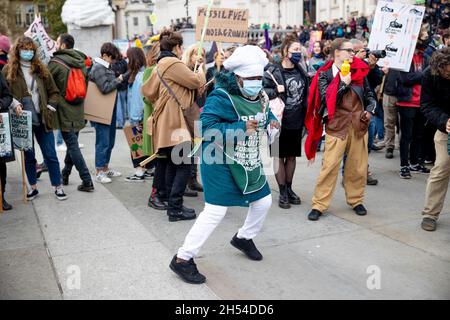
column 313, row 122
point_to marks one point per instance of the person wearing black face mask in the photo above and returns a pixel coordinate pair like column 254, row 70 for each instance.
column 289, row 82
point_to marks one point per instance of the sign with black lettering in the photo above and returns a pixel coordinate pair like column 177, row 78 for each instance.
column 21, row 130
column 134, row 139
column 224, row 25
column 6, row 149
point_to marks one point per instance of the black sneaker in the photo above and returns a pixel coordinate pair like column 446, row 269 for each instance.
column 360, row 210
column 187, row 271
column 86, row 187
column 150, row 173
column 135, row 178
column 32, row 194
column 248, row 247
column 405, row 173
column 314, row 215
column 418, row 168
column 428, row 224
column 60, row 195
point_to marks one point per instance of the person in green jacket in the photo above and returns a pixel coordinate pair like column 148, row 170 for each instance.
column 70, row 113
column 34, row 90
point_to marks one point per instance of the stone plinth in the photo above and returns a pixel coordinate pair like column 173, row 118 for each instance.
column 90, row 40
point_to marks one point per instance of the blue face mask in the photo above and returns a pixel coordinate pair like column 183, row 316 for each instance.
column 276, row 59
column 251, row 88
column 26, row 55
column 296, row 57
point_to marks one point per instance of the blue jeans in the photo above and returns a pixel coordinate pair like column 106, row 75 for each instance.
column 105, row 137
column 46, row 141
column 74, row 157
column 379, row 128
column 59, row 138
column 122, row 108
column 372, row 132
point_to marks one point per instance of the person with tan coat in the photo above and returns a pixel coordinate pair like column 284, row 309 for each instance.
column 171, row 88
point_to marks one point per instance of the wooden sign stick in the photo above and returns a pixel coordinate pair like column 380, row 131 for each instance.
column 24, row 184
column 148, row 160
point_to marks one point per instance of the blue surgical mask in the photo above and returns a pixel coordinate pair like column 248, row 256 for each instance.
column 26, row 55
column 251, row 88
column 296, row 57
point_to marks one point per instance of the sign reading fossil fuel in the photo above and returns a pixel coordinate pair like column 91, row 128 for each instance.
column 395, row 28
column 224, row 25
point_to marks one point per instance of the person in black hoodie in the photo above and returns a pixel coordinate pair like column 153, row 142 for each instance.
column 288, row 81
column 434, row 105
column 5, row 102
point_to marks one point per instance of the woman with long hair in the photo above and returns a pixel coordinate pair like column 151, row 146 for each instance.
column 135, row 102
column 171, row 88
column 34, row 90
column 289, row 82
column 191, row 58
column 344, row 102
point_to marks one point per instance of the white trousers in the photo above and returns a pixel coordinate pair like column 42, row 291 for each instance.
column 211, row 217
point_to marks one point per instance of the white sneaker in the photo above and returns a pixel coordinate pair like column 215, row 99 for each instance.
column 61, row 148
column 102, row 178
column 113, row 173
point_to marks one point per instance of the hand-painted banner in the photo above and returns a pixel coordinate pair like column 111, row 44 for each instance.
column 47, row 46
column 21, row 129
column 134, row 139
column 224, row 25
column 6, row 149
column 395, row 28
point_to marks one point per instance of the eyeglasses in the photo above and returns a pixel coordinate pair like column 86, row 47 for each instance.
column 348, row 50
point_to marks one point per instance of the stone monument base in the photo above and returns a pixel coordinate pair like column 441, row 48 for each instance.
column 90, row 40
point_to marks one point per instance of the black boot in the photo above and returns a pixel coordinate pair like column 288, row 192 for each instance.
column 283, row 200
column 195, row 185
column 86, row 187
column 182, row 214
column 6, row 205
column 293, row 198
column 155, row 201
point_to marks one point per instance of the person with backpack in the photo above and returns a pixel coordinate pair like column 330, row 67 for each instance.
column 69, row 72
column 34, row 90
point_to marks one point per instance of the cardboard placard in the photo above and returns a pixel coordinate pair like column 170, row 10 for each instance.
column 22, row 131
column 6, row 148
column 134, row 139
column 224, row 25
column 99, row 107
column 395, row 28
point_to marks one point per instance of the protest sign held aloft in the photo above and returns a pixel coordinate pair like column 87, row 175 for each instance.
column 224, row 25
column 46, row 45
column 395, row 29
column 21, row 131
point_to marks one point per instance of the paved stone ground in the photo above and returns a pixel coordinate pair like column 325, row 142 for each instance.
column 122, row 248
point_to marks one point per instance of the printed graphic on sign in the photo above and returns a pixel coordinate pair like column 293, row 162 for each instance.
column 395, row 29
column 6, row 150
column 46, row 45
column 134, row 139
column 21, row 130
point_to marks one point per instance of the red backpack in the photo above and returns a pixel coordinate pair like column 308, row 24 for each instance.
column 76, row 84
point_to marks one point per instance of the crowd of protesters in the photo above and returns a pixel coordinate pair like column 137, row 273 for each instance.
column 287, row 91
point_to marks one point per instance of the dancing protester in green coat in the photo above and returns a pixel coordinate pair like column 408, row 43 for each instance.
column 234, row 116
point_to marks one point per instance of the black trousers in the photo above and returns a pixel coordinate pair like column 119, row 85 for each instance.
column 412, row 128
column 177, row 174
column 159, row 179
column 3, row 176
